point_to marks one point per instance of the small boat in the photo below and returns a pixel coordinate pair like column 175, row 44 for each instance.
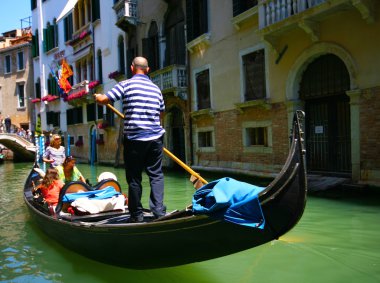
column 180, row 237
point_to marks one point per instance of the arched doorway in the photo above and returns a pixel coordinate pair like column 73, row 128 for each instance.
column 328, row 134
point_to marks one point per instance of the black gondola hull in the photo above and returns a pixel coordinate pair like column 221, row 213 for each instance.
column 186, row 238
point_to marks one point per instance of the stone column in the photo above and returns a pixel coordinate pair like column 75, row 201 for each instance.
column 355, row 132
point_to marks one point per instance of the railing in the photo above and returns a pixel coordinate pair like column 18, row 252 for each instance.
column 273, row 11
column 126, row 9
column 169, row 78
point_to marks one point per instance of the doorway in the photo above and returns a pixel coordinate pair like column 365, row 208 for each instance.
column 328, row 134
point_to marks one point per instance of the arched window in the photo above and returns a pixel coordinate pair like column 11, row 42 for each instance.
column 153, row 49
column 175, row 36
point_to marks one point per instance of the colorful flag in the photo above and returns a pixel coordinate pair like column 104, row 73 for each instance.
column 64, row 73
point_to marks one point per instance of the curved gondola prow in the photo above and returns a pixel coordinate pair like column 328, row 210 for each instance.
column 284, row 200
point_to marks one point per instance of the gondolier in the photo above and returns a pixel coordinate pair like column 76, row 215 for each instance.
column 143, row 136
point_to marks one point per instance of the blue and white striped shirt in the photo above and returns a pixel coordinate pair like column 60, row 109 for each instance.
column 142, row 104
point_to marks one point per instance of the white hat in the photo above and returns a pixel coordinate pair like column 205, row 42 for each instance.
column 107, row 175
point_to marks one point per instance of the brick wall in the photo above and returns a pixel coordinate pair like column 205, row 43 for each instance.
column 229, row 144
column 370, row 129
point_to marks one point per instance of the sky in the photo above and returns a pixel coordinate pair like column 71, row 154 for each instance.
column 12, row 11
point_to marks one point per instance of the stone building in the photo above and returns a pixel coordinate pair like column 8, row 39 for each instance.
column 232, row 72
column 16, row 77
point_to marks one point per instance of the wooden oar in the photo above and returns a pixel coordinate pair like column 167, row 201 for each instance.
column 171, row 155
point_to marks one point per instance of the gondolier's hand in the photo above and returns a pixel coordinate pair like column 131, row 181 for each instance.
column 101, row 99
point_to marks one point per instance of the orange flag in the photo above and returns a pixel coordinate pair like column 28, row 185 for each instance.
column 66, row 71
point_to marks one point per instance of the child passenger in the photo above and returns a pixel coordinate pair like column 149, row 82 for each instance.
column 51, row 186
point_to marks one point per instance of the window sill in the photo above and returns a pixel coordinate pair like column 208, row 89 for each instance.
column 204, row 112
column 200, row 43
column 263, row 103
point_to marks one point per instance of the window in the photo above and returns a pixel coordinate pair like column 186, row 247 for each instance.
column 20, row 96
column 95, row 10
column 205, row 139
column 50, row 36
column 254, row 75
column 109, row 117
column 20, row 61
column 202, row 81
column 52, row 86
column 197, row 18
column 100, row 66
column 175, row 36
column 74, row 116
column 38, row 88
column 53, row 118
column 150, row 47
column 240, row 6
column 33, row 4
column 91, row 112
column 71, row 141
column 68, row 27
column 257, row 136
column 7, row 64
column 120, row 47
column 35, row 44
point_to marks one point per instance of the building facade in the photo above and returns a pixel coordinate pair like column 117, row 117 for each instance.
column 233, row 72
column 16, row 77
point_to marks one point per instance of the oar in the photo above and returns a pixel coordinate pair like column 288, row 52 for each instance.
column 171, row 155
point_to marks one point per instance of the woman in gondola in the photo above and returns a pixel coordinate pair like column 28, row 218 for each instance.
column 55, row 152
column 68, row 172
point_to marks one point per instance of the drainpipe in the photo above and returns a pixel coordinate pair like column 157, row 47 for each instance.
column 189, row 107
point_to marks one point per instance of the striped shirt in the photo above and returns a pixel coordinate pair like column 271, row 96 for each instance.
column 142, row 104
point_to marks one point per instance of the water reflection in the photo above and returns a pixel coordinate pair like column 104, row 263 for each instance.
column 336, row 240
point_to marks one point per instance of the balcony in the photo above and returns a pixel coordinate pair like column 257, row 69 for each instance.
column 79, row 94
column 126, row 14
column 171, row 79
column 276, row 17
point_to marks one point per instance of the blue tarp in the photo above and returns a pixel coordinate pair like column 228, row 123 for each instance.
column 235, row 201
column 107, row 192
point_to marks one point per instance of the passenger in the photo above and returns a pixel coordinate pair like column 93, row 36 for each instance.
column 68, row 172
column 55, row 152
column 50, row 187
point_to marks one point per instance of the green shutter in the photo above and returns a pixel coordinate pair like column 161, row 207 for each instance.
column 45, row 40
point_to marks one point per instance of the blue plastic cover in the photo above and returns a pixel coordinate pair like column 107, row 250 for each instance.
column 235, row 201
column 107, row 192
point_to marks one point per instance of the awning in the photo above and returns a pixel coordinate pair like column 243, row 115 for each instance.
column 68, row 8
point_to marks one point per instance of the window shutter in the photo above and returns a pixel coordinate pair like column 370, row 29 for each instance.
column 189, row 20
column 34, row 49
column 236, row 7
column 45, row 40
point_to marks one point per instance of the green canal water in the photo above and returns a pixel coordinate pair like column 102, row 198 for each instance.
column 337, row 240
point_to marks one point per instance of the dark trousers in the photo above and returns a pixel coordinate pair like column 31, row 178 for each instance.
column 140, row 156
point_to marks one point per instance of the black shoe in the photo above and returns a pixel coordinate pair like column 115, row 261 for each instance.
column 136, row 219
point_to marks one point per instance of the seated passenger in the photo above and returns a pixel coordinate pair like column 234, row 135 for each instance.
column 50, row 187
column 68, row 172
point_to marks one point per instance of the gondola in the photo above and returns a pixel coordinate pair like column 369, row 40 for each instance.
column 180, row 237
